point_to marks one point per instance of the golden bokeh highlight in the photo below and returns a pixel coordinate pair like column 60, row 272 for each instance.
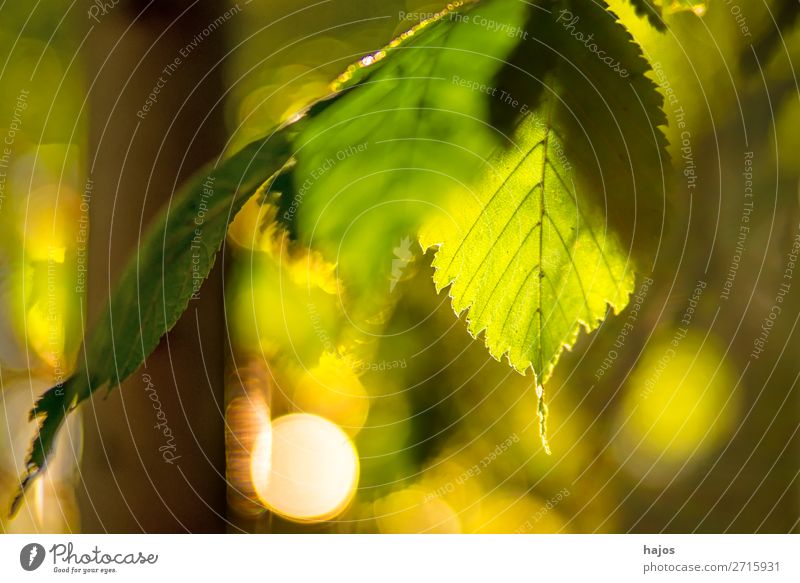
column 679, row 404
column 501, row 512
column 412, row 511
column 304, row 468
column 247, row 418
column 334, row 391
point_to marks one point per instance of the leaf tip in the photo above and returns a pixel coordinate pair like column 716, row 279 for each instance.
column 542, row 412
column 30, row 475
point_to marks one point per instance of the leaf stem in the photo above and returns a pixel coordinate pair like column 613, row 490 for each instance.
column 542, row 413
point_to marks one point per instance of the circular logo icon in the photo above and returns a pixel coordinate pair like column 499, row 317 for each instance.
column 31, row 556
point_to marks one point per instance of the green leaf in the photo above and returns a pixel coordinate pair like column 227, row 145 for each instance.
column 370, row 167
column 580, row 62
column 174, row 257
column 529, row 262
column 651, row 9
column 544, row 246
column 601, row 192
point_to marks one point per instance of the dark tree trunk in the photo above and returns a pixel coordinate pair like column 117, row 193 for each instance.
column 137, row 157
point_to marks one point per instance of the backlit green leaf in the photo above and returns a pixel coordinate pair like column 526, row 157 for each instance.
column 529, row 263
column 371, row 166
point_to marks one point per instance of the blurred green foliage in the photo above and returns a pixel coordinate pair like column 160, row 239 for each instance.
column 662, row 420
column 439, row 406
column 43, row 234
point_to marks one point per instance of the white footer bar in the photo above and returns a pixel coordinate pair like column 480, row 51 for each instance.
column 384, row 558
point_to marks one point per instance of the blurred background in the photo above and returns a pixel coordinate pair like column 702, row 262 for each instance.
column 283, row 412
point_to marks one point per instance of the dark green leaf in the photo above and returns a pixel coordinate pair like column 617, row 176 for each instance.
column 651, row 10
column 370, row 167
column 175, row 256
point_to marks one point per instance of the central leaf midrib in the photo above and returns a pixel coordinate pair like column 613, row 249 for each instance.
column 542, row 213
